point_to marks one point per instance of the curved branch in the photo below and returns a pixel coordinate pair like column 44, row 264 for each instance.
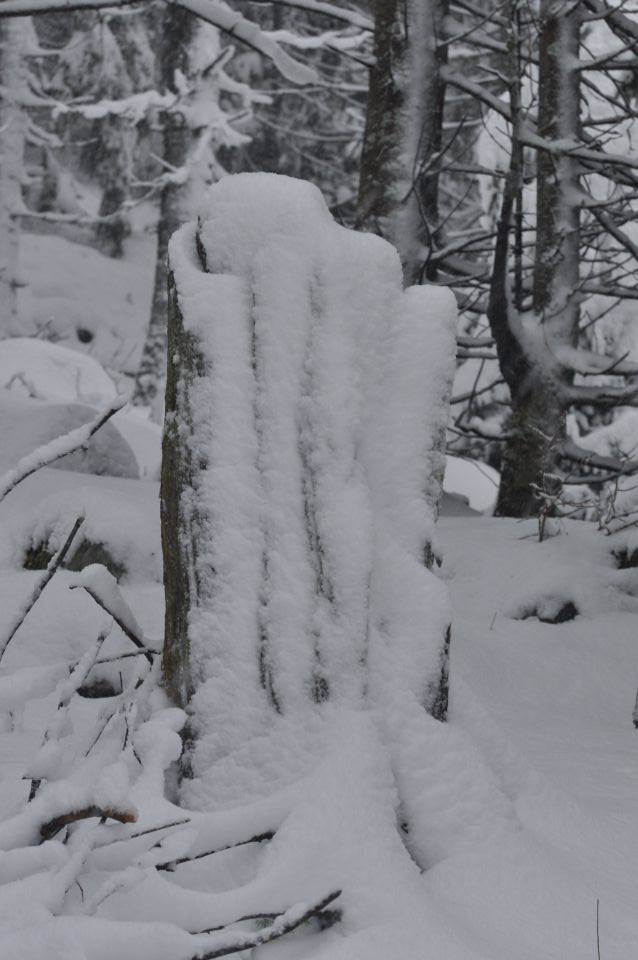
column 49, row 829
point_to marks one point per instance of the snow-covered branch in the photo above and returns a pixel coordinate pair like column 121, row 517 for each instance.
column 54, row 565
column 103, row 588
column 285, row 923
column 216, row 12
column 56, row 449
column 347, row 15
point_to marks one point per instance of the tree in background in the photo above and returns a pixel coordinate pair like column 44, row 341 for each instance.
column 14, row 36
column 558, row 244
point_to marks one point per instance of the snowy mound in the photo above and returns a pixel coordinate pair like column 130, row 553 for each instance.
column 316, row 402
column 473, row 481
column 32, row 423
column 47, row 371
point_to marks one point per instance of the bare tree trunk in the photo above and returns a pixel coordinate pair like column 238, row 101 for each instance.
column 417, row 230
column 398, row 195
column 113, row 173
column 556, row 295
column 537, row 380
column 174, row 34
column 12, row 134
column 381, row 140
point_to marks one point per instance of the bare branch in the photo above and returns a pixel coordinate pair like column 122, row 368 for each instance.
column 171, row 864
column 49, row 829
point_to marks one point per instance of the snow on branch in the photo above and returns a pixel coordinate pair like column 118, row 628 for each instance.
column 56, row 449
column 621, row 24
column 529, row 137
column 60, row 804
column 614, row 468
column 589, row 364
column 603, row 396
column 354, row 17
column 54, row 565
column 285, row 923
column 102, row 586
column 232, row 23
column 28, row 8
column 215, row 12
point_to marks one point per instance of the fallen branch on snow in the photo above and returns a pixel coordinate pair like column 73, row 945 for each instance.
column 54, row 565
column 56, row 449
column 103, row 588
column 284, row 923
column 49, row 829
column 171, row 864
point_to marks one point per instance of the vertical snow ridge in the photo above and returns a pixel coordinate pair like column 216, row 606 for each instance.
column 315, row 432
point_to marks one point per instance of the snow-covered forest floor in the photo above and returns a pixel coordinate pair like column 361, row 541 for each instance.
column 540, row 858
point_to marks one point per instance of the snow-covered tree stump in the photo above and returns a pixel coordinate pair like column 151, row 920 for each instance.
column 305, row 635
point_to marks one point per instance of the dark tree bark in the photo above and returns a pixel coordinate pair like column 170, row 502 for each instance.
column 174, row 30
column 403, row 138
column 538, row 382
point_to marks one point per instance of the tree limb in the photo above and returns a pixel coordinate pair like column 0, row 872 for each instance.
column 58, row 448
column 283, row 924
column 171, row 864
column 49, row 829
column 54, row 565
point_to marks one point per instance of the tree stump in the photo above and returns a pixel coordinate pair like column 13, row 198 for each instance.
column 306, row 636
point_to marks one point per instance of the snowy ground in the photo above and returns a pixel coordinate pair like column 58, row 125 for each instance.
column 546, row 706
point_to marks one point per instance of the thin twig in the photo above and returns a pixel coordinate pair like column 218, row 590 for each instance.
column 171, row 864
column 598, row 928
column 54, row 565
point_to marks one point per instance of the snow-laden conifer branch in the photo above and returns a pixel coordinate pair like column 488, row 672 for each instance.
column 54, row 565
column 58, row 448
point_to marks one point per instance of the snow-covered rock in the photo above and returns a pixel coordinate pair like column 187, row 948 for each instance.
column 32, row 423
column 48, row 371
